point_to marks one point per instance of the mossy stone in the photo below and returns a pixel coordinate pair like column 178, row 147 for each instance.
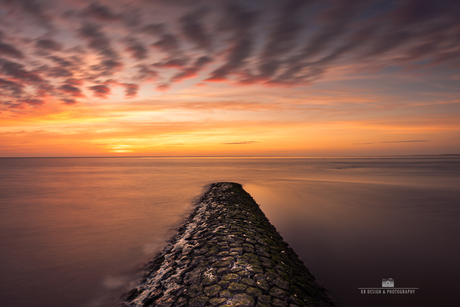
column 253, row 291
column 266, row 262
column 222, row 254
column 226, row 294
column 222, row 263
column 283, row 284
column 212, row 290
column 194, row 290
column 234, row 286
column 222, row 271
column 254, row 262
column 223, row 283
column 236, row 269
column 265, row 299
column 198, row 301
column 278, row 292
column 217, row 301
column 209, row 279
column 255, row 269
column 276, row 302
column 230, row 277
column 244, row 273
column 262, row 284
column 241, row 300
column 249, row 281
column 181, row 301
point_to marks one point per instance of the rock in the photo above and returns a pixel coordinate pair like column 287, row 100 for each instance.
column 212, row 290
column 227, row 254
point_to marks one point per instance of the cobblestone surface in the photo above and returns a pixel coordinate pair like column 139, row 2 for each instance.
column 227, row 254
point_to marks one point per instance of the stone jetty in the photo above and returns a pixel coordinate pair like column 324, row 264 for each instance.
column 227, row 254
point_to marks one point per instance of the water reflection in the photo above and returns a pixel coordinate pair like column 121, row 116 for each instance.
column 73, row 232
column 353, row 234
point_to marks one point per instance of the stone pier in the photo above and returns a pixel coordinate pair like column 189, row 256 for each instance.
column 227, row 254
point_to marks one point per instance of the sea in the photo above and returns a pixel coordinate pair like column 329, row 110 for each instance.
column 76, row 232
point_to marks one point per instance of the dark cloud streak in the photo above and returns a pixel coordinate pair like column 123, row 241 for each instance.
column 275, row 43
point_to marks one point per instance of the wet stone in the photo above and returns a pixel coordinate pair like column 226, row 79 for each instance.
column 283, row 284
column 278, row 303
column 209, row 279
column 236, row 269
column 230, row 277
column 199, row 301
column 254, row 262
column 194, row 290
column 227, row 254
column 248, row 281
column 279, row 293
column 222, row 263
column 224, row 284
column 234, row 287
column 181, row 301
column 254, row 292
column 243, row 273
column 226, row 294
column 265, row 299
column 262, row 284
column 266, row 262
column 222, row 271
column 241, row 300
column 212, row 290
column 255, row 269
column 165, row 301
column 217, row 301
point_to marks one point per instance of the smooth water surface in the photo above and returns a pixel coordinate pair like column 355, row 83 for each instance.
column 75, row 231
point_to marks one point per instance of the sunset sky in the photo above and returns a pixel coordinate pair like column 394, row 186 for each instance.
column 229, row 78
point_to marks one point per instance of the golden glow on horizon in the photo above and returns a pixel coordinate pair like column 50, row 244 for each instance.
column 226, row 121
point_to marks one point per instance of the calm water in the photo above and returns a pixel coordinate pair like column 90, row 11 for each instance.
column 75, row 231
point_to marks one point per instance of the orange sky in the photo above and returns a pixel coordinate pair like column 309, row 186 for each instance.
column 228, row 79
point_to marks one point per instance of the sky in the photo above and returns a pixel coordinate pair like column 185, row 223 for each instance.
column 229, row 78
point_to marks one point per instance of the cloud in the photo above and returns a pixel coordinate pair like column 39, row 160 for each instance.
column 193, row 29
column 144, row 72
column 57, row 72
column 48, row 44
column 272, row 43
column 71, row 90
column 11, row 88
column 154, row 28
column 30, row 8
column 131, row 89
column 240, row 21
column 100, row 12
column 18, row 72
column 11, row 51
column 98, row 41
column 242, row 143
column 168, row 43
column 191, row 71
column 69, row 101
column 282, row 37
column 100, row 91
column 172, row 62
column 108, row 67
column 137, row 50
column 409, row 141
column 34, row 102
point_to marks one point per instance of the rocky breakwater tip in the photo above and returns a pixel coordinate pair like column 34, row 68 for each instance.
column 227, row 254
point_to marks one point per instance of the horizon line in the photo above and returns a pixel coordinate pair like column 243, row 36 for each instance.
column 273, row 157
